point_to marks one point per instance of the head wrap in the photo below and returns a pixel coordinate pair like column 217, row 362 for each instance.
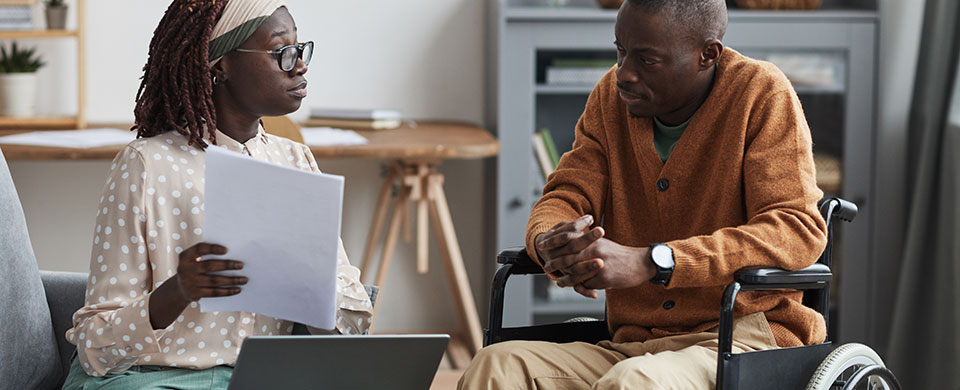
column 239, row 21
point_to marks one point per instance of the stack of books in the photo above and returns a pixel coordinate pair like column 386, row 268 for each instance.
column 545, row 151
column 577, row 71
column 355, row 119
column 16, row 15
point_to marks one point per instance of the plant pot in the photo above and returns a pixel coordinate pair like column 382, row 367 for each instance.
column 56, row 18
column 18, row 94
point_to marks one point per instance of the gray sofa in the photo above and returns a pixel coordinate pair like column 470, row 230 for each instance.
column 36, row 307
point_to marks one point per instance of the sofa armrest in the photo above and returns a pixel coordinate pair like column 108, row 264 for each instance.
column 65, row 295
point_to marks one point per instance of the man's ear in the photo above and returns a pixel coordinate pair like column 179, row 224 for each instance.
column 710, row 53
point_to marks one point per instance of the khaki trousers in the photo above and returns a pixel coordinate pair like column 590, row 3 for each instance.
column 683, row 362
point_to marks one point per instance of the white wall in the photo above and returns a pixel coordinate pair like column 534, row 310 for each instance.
column 424, row 57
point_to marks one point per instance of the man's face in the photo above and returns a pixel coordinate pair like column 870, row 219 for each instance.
column 659, row 68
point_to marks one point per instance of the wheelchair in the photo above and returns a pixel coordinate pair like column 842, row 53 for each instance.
column 814, row 367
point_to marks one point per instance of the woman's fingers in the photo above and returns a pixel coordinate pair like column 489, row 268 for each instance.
column 211, row 292
column 216, row 265
column 201, row 249
column 207, row 280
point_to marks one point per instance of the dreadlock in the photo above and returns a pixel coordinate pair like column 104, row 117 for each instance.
column 176, row 91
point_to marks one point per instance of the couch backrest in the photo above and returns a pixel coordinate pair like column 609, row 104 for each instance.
column 28, row 349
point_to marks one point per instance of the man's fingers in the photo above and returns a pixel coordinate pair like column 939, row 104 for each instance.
column 565, row 231
column 578, row 243
column 580, row 272
column 585, row 291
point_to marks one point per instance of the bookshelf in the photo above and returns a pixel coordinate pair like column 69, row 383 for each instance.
column 79, row 120
column 841, row 37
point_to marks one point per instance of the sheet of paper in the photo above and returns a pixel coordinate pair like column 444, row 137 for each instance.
column 79, row 139
column 284, row 224
column 328, row 136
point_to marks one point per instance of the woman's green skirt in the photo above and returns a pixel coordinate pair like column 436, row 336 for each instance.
column 149, row 378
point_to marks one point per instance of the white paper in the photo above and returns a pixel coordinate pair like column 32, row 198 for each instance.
column 79, row 139
column 328, row 136
column 284, row 224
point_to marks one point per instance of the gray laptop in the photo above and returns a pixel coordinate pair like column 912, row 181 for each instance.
column 338, row 362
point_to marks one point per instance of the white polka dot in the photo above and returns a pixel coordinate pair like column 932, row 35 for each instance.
column 125, row 175
column 122, row 206
column 151, row 191
column 177, row 249
column 264, row 328
column 183, row 225
column 152, row 246
column 195, row 200
column 123, row 266
column 189, row 185
column 230, row 319
column 84, row 335
column 193, row 359
column 111, row 198
column 138, row 346
column 242, row 333
column 246, row 320
column 153, row 233
column 146, row 358
column 148, row 339
column 201, row 345
column 160, row 223
column 96, row 240
column 113, row 280
column 170, row 158
column 226, row 343
column 93, row 279
column 101, row 299
column 121, row 222
column 136, row 210
column 166, row 349
column 143, row 313
column 195, row 211
column 214, row 354
column 190, row 171
column 142, row 250
column 104, row 211
column 193, row 305
column 181, row 351
column 176, row 211
column 219, row 361
column 223, row 331
column 133, row 188
column 107, row 230
column 133, row 294
column 213, row 325
column 132, row 326
column 191, row 324
column 198, row 329
column 90, row 343
column 133, row 280
column 106, row 245
column 124, row 249
column 157, row 156
column 103, row 268
column 167, row 340
column 180, row 341
column 161, row 200
column 175, row 236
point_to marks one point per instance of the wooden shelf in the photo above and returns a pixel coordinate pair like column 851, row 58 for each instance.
column 41, row 122
column 37, row 34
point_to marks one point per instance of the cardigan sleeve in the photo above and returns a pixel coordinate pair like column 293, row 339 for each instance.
column 578, row 186
column 784, row 228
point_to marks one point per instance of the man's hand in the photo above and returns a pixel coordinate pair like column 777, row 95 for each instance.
column 566, row 238
column 620, row 266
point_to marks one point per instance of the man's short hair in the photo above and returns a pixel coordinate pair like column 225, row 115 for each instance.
column 702, row 19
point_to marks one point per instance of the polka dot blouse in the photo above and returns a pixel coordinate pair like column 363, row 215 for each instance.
column 150, row 211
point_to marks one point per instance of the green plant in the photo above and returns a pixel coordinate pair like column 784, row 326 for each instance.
column 55, row 3
column 19, row 61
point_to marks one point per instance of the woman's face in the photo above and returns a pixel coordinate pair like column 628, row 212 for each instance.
column 255, row 81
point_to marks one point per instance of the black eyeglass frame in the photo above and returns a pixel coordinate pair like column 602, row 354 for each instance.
column 278, row 54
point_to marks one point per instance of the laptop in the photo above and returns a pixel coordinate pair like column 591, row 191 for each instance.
column 338, row 362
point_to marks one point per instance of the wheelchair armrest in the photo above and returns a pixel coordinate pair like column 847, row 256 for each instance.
column 814, row 276
column 521, row 263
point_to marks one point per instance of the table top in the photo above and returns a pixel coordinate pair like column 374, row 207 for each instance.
column 428, row 140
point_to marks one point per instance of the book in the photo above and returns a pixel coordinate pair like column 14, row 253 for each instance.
column 551, row 146
column 355, row 124
column 355, row 114
column 577, row 71
column 540, row 150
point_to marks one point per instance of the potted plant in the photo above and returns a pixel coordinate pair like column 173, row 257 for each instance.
column 18, row 81
column 56, row 14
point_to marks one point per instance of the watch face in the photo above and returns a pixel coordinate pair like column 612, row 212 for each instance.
column 662, row 256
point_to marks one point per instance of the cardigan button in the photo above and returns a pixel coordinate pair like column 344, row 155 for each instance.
column 668, row 305
column 663, row 184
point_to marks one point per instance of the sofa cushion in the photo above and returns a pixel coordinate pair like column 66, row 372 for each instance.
column 28, row 349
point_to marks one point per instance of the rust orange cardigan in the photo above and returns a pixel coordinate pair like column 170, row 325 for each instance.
column 741, row 193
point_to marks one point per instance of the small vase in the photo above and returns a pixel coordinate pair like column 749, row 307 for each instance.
column 18, row 94
column 57, row 18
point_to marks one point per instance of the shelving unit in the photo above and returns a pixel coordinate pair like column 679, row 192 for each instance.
column 79, row 120
column 841, row 117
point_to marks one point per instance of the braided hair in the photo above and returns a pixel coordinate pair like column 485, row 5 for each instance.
column 176, row 90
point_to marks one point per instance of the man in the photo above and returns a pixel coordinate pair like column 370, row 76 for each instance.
column 690, row 162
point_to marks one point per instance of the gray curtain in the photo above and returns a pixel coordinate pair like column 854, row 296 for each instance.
column 924, row 349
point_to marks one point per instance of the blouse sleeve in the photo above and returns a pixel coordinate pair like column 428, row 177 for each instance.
column 355, row 311
column 112, row 330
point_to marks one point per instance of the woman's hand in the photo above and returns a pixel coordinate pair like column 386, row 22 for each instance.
column 194, row 280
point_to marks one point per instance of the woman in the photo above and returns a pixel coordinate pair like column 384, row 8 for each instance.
column 215, row 68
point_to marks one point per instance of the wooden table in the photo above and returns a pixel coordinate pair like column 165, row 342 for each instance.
column 415, row 153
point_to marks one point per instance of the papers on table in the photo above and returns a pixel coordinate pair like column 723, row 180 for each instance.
column 328, row 136
column 284, row 224
column 80, row 139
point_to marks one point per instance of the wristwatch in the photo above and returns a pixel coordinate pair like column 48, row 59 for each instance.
column 662, row 257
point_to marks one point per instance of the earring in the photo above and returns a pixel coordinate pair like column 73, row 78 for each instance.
column 214, row 80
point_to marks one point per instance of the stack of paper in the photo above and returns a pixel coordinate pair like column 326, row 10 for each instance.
column 328, row 136
column 80, row 139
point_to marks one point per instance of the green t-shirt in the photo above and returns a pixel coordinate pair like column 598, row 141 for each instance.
column 666, row 137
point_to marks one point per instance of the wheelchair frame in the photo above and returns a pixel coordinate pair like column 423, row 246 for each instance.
column 749, row 370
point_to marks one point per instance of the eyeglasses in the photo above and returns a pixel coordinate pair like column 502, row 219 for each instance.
column 287, row 56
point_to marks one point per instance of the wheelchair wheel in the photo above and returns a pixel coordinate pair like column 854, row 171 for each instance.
column 853, row 367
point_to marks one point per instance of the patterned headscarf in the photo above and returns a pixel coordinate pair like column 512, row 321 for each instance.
column 239, row 21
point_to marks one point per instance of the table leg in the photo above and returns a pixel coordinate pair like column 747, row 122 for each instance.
column 378, row 216
column 453, row 261
column 392, row 234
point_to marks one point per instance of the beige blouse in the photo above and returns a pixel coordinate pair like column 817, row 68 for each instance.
column 150, row 211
